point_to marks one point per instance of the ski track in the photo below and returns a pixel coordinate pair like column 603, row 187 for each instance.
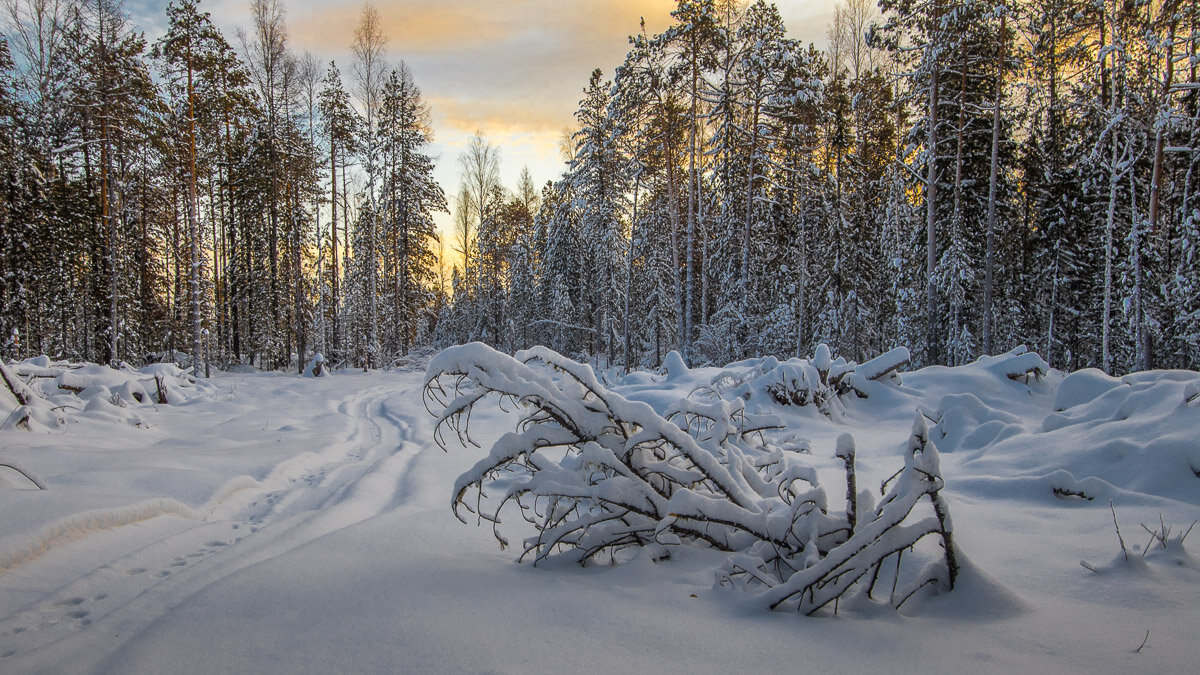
column 178, row 551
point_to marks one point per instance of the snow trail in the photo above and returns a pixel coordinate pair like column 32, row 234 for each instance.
column 170, row 550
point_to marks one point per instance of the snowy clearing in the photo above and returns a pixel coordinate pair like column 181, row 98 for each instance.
column 271, row 522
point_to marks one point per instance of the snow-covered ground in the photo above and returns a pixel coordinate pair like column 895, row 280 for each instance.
column 275, row 523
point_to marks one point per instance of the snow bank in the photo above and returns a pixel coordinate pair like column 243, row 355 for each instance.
column 1078, row 436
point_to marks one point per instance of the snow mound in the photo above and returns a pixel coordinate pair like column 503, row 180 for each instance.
column 317, row 366
column 967, row 423
column 1083, row 386
column 822, row 383
column 1082, row 436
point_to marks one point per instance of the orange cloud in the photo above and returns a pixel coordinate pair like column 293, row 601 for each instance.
column 606, row 18
column 410, row 26
column 438, row 26
column 500, row 115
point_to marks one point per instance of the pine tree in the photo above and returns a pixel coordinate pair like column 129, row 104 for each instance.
column 410, row 197
column 340, row 126
column 598, row 185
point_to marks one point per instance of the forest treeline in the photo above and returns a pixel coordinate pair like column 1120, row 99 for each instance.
column 190, row 196
column 956, row 176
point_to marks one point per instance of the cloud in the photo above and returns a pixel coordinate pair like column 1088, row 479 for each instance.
column 441, row 26
column 499, row 116
column 415, row 26
column 515, row 68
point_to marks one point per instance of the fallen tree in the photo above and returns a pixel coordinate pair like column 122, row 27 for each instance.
column 597, row 475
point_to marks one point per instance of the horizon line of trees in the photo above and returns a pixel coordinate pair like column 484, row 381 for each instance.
column 957, row 176
column 169, row 197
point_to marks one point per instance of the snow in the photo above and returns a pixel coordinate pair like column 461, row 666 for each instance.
column 268, row 522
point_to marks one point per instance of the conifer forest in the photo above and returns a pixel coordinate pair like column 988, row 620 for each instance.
column 959, row 177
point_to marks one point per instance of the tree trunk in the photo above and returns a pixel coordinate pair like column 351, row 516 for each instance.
column 693, row 185
column 193, row 229
column 993, row 179
column 931, row 352
column 956, row 218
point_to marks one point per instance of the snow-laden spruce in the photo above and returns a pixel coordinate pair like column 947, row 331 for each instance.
column 599, row 475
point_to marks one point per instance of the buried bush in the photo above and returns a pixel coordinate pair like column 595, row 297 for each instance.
column 598, row 475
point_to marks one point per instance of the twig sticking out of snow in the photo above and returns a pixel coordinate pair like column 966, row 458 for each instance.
column 1121, row 539
column 161, row 390
column 1163, row 534
column 1143, row 645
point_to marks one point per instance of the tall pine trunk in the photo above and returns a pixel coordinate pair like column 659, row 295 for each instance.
column 193, row 230
column 993, row 178
column 931, row 209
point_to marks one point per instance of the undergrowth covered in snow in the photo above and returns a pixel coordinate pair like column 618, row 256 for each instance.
column 39, row 393
column 599, row 474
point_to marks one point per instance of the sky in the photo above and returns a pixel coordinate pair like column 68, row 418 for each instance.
column 514, row 69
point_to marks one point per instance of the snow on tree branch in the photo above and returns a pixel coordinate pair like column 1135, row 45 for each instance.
column 600, row 476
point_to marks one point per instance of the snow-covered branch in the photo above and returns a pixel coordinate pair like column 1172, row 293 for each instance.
column 599, row 475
